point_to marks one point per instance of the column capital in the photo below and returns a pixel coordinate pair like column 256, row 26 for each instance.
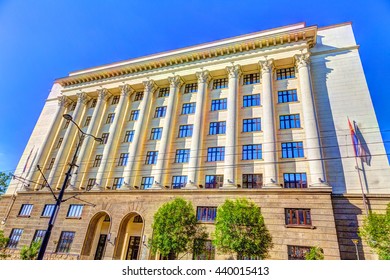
column 234, row 71
column 175, row 81
column 203, row 76
column 266, row 65
column 302, row 60
column 82, row 97
column 63, row 101
column 126, row 90
column 149, row 85
column 103, row 94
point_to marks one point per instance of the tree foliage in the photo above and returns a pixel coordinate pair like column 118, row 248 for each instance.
column 30, row 252
column 175, row 229
column 3, row 246
column 376, row 232
column 315, row 253
column 240, row 229
column 4, row 181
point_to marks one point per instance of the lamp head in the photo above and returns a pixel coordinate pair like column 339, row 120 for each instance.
column 100, row 140
column 67, row 117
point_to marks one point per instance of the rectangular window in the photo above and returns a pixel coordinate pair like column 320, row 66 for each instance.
column 217, row 128
column 252, row 181
column 91, row 183
column 253, row 151
column 66, row 124
column 285, row 96
column 251, row 100
column 160, row 112
column 118, row 182
column 249, row 125
column 97, row 161
column 139, row 95
column 188, row 108
column 134, row 115
column 156, row 133
column 297, row 252
column 115, row 100
column 110, row 118
column 87, row 121
column 104, row 138
column 163, row 92
column 218, row 104
column 75, row 211
column 191, row 88
column 185, row 130
column 146, row 183
column 151, row 157
column 292, row 150
column 203, row 250
column 285, row 73
column 39, row 235
column 298, row 216
column 129, row 135
column 250, row 79
column 93, row 103
column 14, row 238
column 59, row 143
column 206, row 214
column 73, row 106
column 216, row 154
column 213, row 181
column 182, row 155
column 179, row 182
column 25, row 210
column 295, row 180
column 220, row 83
column 289, row 121
column 48, row 210
column 65, row 242
column 51, row 163
column 123, row 159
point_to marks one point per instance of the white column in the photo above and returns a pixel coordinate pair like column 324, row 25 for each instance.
column 66, row 146
column 139, row 133
column 313, row 144
column 159, row 170
column 197, row 135
column 268, row 126
column 114, row 132
column 229, row 176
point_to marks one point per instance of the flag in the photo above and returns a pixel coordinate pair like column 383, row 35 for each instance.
column 359, row 145
column 28, row 159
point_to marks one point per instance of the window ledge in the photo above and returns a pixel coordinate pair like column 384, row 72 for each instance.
column 23, row 216
column 300, row 226
column 73, row 218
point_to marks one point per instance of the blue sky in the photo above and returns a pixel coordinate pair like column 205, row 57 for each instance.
column 44, row 40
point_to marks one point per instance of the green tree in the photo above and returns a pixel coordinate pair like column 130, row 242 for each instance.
column 3, row 246
column 175, row 229
column 240, row 229
column 4, row 181
column 315, row 253
column 376, row 232
column 30, row 252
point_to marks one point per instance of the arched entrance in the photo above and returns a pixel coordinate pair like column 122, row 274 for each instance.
column 96, row 237
column 129, row 240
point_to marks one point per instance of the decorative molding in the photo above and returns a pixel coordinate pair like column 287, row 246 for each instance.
column 126, row 90
column 203, row 77
column 63, row 101
column 149, row 86
column 103, row 94
column 175, row 81
column 82, row 97
column 266, row 65
column 302, row 60
column 234, row 71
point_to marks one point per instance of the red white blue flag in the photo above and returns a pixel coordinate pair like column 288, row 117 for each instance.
column 359, row 145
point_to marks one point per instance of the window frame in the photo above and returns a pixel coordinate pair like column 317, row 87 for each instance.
column 180, row 183
column 47, row 210
column 185, row 130
column 289, row 121
column 252, row 183
column 220, row 83
column 251, row 100
column 218, row 104
column 298, row 217
column 182, row 155
column 75, row 211
column 129, row 135
column 123, row 158
column 252, row 152
column 206, row 214
column 25, row 210
column 156, row 133
column 151, row 157
column 292, row 149
column 191, row 87
column 215, row 183
column 188, row 108
column 299, row 180
column 160, row 112
column 287, row 96
column 144, row 183
column 251, row 125
column 216, row 128
column 65, row 242
column 285, row 73
column 163, row 92
column 14, row 238
column 215, row 154
column 134, row 114
column 251, row 78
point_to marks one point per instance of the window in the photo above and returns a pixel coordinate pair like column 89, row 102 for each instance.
column 295, row 180
column 156, row 133
column 163, row 92
column 160, row 112
column 65, row 242
column 91, row 183
column 39, row 235
column 59, row 143
column 206, row 214
column 134, row 115
column 75, row 211
column 138, row 219
column 216, row 154
column 251, row 100
column 151, row 157
column 97, row 161
column 191, row 88
column 129, row 135
column 110, row 118
column 25, row 210
column 203, row 250
column 146, row 183
column 115, row 100
column 298, row 217
column 14, row 238
column 252, row 181
column 185, row 130
column 214, row 181
column 73, row 106
column 139, row 95
column 297, row 252
column 123, row 159
column 292, row 150
column 179, row 182
column 188, row 108
column 285, row 96
column 285, row 73
column 218, row 104
column 87, row 121
column 66, row 124
column 93, row 103
column 253, row 78
column 253, row 151
column 289, row 121
column 51, row 163
column 104, row 138
column 250, row 125
column 48, row 210
column 217, row 128
column 182, row 155
column 220, row 83
column 118, row 182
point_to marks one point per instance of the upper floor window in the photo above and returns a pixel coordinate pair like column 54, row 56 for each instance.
column 156, row 133
column 123, row 159
column 66, row 124
column 134, row 115
column 219, row 104
column 104, row 138
column 93, row 102
column 48, row 210
column 191, row 88
column 251, row 100
column 252, row 181
column 14, row 237
column 220, row 83
column 51, row 163
column 297, row 252
column 110, row 118
column 292, row 150
column 87, row 121
column 115, row 99
column 213, row 181
column 75, row 211
column 182, row 155
column 39, row 235
column 160, row 112
column 146, row 183
column 97, row 161
column 185, row 130
column 206, row 214
column 59, row 143
column 285, row 96
column 151, row 157
column 295, row 180
column 188, row 108
column 253, row 151
column 163, row 92
column 217, row 128
column 285, row 73
column 65, row 242
column 138, row 219
column 179, row 182
column 298, row 216
column 216, row 154
column 249, row 125
column 91, row 183
column 73, row 106
column 289, row 121
column 25, row 210
column 129, row 135
column 117, row 183
column 250, row 79
column 139, row 95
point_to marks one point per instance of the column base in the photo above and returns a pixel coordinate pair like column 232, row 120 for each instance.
column 228, row 186
column 190, row 186
column 272, row 186
column 156, row 186
column 124, row 187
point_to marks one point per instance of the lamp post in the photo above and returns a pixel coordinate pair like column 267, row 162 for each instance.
column 68, row 174
column 356, row 241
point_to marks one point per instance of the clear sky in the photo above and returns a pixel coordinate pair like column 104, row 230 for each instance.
column 42, row 40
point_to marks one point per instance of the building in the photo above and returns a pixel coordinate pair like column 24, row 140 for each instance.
column 262, row 116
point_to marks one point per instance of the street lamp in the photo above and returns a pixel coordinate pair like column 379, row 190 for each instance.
column 68, row 174
column 356, row 242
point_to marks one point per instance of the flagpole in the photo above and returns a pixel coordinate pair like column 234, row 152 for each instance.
column 361, row 186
